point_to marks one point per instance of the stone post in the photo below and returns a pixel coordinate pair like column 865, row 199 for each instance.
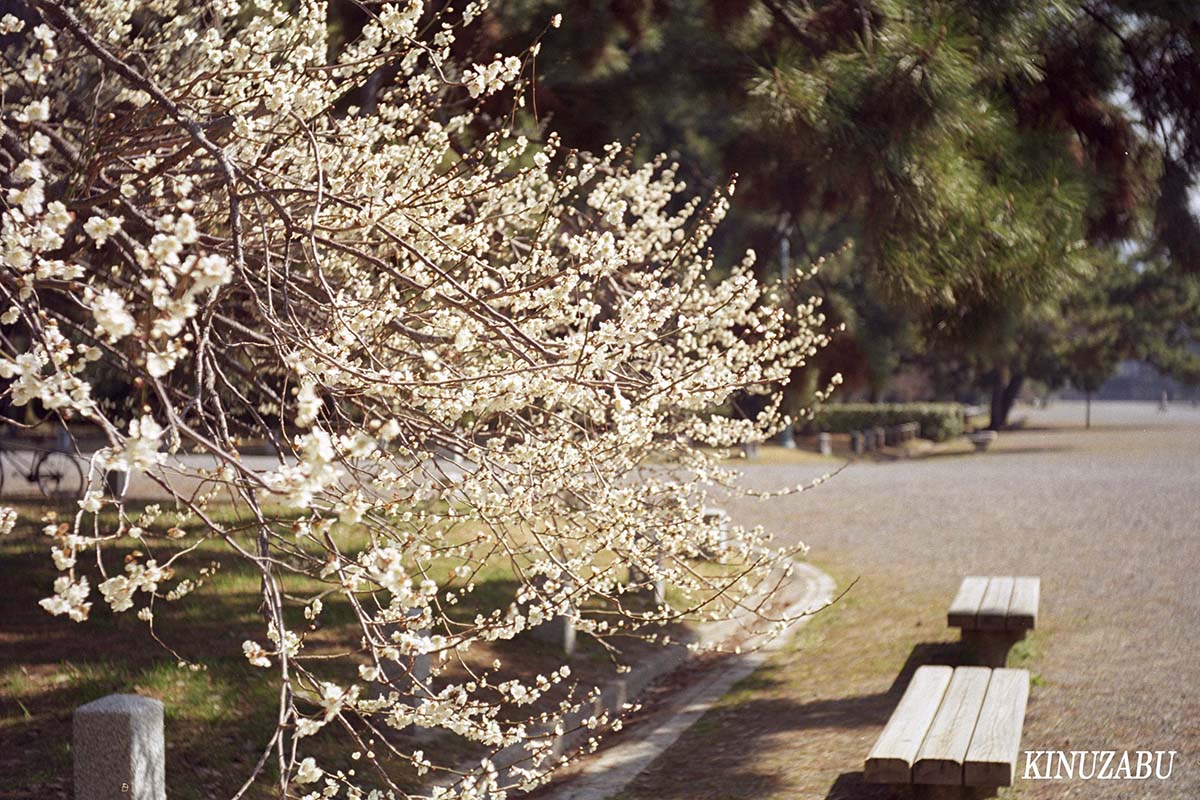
column 117, row 483
column 655, row 587
column 787, row 438
column 405, row 678
column 398, row 675
column 558, row 630
column 856, row 443
column 119, row 750
column 824, row 444
column 880, row 437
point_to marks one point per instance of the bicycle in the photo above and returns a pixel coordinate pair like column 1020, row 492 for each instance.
column 56, row 472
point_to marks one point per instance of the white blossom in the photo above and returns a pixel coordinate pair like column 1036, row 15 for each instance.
column 70, row 598
column 255, row 654
column 112, row 318
column 101, row 228
column 140, row 449
column 8, row 520
column 308, row 404
column 308, row 771
column 463, row 349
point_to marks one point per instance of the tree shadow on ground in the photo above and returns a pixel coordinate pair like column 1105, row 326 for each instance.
column 1001, row 451
column 852, row 786
column 218, row 719
column 727, row 739
column 1099, row 426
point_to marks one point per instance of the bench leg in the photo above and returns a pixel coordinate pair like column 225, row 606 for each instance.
column 925, row 791
column 989, row 648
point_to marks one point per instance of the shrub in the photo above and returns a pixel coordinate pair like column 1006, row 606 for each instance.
column 939, row 421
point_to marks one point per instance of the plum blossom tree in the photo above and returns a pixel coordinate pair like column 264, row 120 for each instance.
column 464, row 345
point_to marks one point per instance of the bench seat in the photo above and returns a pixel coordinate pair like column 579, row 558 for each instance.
column 957, row 728
column 994, row 613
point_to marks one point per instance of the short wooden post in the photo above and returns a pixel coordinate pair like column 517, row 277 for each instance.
column 119, row 750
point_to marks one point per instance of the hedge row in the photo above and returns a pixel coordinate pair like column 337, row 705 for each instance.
column 939, row 421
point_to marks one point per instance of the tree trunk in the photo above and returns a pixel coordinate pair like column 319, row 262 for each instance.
column 1087, row 417
column 1006, row 386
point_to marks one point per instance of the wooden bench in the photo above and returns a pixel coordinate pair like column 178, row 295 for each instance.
column 994, row 614
column 956, row 733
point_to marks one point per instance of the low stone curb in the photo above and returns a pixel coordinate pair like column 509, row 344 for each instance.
column 808, row 590
column 610, row 771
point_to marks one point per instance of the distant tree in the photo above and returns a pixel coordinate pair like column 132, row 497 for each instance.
column 1128, row 308
column 966, row 148
column 1093, row 333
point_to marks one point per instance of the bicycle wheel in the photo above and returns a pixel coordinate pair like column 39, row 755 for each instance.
column 60, row 477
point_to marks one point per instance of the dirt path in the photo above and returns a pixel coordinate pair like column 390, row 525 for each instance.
column 1108, row 518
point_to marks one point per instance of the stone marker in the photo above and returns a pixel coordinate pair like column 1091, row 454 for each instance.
column 880, row 438
column 824, row 444
column 656, row 588
column 856, row 442
column 982, row 439
column 404, row 675
column 612, row 700
column 787, row 438
column 116, row 484
column 119, row 750
column 719, row 519
column 659, row 594
column 559, row 630
column 869, row 439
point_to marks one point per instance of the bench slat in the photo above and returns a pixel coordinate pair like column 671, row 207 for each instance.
column 1023, row 608
column 993, row 609
column 892, row 757
column 966, row 603
column 992, row 756
column 940, row 759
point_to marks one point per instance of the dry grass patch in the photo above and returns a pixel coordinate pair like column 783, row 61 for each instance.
column 218, row 718
column 801, row 726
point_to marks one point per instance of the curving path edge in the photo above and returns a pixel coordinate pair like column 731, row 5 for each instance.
column 608, row 772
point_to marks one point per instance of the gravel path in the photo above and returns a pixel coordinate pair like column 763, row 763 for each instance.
column 1108, row 518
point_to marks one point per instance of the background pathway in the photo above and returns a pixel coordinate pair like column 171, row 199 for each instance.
column 1110, row 520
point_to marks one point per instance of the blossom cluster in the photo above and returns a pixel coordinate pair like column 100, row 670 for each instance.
column 463, row 343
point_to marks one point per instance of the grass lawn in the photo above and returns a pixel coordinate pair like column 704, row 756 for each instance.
column 217, row 719
column 801, row 726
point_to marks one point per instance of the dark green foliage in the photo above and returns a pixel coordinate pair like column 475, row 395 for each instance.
column 939, row 421
column 980, row 156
